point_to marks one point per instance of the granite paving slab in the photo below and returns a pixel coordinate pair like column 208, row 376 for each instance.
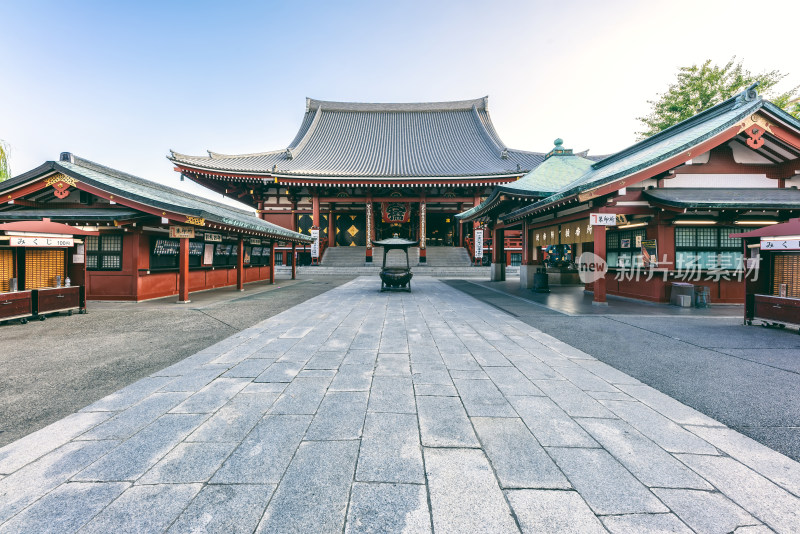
column 361, row 411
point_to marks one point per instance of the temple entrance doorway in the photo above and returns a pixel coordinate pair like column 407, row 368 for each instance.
column 387, row 230
column 441, row 230
column 351, row 230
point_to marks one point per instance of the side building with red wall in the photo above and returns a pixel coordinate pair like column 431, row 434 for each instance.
column 675, row 200
column 153, row 241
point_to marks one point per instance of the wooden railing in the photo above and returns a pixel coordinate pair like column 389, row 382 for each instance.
column 512, row 245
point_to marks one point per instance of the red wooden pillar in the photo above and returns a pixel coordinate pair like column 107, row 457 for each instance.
column 272, row 262
column 315, row 209
column 498, row 245
column 599, row 233
column 422, row 216
column 183, row 272
column 460, row 226
column 331, row 227
column 526, row 269
column 526, row 253
column 294, row 260
column 370, row 227
column 498, row 272
column 293, row 226
column 240, row 266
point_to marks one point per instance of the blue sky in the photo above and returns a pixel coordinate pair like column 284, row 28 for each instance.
column 121, row 83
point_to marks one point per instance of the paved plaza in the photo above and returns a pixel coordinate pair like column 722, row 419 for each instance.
column 361, row 411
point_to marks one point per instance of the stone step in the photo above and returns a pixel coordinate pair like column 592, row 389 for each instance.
column 436, row 256
column 374, row 269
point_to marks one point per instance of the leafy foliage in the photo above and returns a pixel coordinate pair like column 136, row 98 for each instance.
column 701, row 87
column 5, row 169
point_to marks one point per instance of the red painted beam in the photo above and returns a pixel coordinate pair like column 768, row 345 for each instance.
column 362, row 200
column 26, row 190
column 284, row 181
column 784, row 134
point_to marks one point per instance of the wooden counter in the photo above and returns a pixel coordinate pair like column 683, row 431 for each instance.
column 58, row 299
column 16, row 305
column 777, row 309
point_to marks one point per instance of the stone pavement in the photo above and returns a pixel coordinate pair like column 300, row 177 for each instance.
column 361, row 411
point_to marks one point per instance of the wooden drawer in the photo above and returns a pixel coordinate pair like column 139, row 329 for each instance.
column 786, row 310
column 50, row 300
column 17, row 304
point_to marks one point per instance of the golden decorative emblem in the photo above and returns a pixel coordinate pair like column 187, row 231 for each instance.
column 352, row 231
column 197, row 221
column 61, row 178
column 61, row 183
column 754, row 127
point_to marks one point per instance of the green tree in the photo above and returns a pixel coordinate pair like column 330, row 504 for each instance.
column 700, row 87
column 5, row 169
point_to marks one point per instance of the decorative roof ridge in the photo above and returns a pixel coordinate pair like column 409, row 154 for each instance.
column 455, row 105
column 501, row 149
column 748, row 96
column 293, row 152
column 218, row 155
column 518, row 151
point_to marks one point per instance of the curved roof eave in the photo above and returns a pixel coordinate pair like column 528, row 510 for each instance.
column 332, row 177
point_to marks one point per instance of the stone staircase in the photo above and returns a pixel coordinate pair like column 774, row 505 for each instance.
column 441, row 262
column 436, row 257
column 448, row 257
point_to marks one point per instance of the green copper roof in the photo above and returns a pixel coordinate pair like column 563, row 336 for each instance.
column 155, row 195
column 559, row 168
column 661, row 147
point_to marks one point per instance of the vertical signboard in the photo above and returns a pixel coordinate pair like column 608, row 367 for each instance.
column 315, row 243
column 478, row 244
column 649, row 253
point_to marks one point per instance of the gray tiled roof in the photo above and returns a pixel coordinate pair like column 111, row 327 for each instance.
column 128, row 186
column 375, row 141
column 70, row 214
column 708, row 197
column 661, row 146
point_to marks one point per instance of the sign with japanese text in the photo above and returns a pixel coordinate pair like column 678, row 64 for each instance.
column 478, row 243
column 212, row 238
column 182, row 232
column 315, row 243
column 603, row 219
column 255, row 241
column 780, row 244
column 34, row 241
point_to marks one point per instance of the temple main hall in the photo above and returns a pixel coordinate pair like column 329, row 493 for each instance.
column 359, row 172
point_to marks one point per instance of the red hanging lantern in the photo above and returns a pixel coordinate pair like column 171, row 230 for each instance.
column 395, row 212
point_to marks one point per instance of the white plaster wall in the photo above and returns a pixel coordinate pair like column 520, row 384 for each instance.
column 721, row 180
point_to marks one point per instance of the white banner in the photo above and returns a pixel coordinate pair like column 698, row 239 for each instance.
column 479, row 243
column 771, row 244
column 41, row 241
column 603, row 219
column 315, row 244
